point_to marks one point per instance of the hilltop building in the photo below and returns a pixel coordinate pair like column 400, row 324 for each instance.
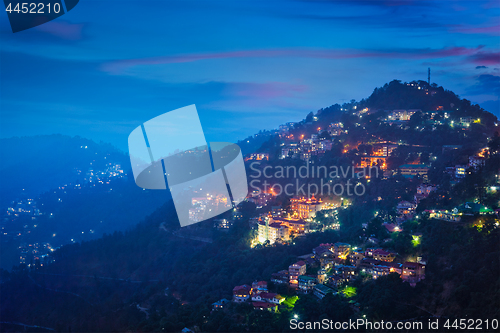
column 304, row 208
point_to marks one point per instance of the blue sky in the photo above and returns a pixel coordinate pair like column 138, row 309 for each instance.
column 107, row 66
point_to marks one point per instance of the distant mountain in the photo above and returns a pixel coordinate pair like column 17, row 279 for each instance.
column 58, row 190
column 32, row 165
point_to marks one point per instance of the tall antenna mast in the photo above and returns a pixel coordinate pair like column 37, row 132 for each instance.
column 429, row 75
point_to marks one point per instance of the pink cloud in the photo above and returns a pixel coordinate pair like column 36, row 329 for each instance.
column 491, row 30
column 117, row 67
column 267, row 90
column 486, row 58
column 62, row 29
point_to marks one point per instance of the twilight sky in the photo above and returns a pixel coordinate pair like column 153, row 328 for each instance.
column 107, row 66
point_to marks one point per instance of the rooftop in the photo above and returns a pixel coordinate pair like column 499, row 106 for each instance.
column 264, row 305
column 299, row 263
column 413, row 166
column 305, row 277
column 324, row 289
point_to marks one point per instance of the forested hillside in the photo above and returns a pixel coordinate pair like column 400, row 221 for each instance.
column 160, row 277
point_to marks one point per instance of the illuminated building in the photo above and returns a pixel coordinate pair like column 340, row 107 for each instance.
column 405, row 210
column 259, row 287
column 292, row 149
column 325, row 145
column 258, row 157
column 286, row 127
column 272, row 232
column 341, row 250
column 220, row 304
column 280, row 277
column 265, row 306
column 413, row 272
column 414, row 170
column 268, row 297
column 444, row 215
column 401, row 115
column 391, row 227
column 294, row 271
column 223, row 224
column 295, row 225
column 356, row 257
column 306, row 283
column 382, row 255
column 304, row 208
column 377, row 268
column 460, row 171
column 260, row 198
column 423, row 191
column 336, row 129
column 368, row 161
column 383, row 149
column 241, row 293
column 466, row 121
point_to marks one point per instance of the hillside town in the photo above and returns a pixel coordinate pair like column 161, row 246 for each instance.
column 331, row 268
column 335, row 265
